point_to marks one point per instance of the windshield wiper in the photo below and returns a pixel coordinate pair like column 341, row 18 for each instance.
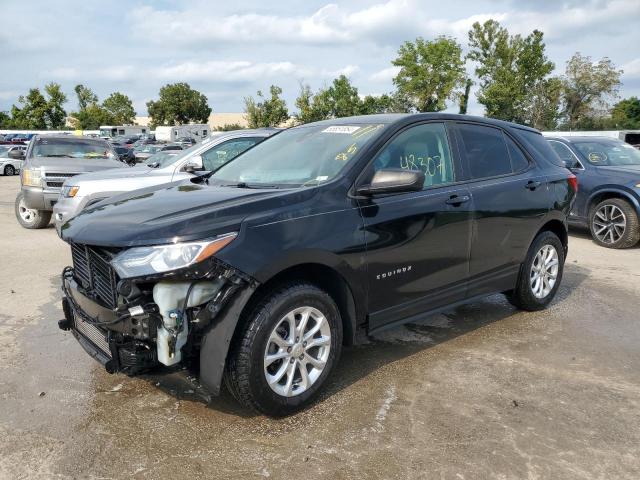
column 61, row 155
column 246, row 185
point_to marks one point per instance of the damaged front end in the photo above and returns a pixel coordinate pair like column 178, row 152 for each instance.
column 177, row 319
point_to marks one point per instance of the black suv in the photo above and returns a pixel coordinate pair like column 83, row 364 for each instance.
column 259, row 272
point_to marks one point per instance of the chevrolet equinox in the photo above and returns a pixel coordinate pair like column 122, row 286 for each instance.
column 256, row 274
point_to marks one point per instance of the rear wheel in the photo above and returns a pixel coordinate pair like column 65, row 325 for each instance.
column 614, row 224
column 286, row 351
column 28, row 217
column 540, row 274
column 9, row 170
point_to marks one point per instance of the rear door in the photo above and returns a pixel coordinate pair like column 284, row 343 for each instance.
column 510, row 197
column 417, row 242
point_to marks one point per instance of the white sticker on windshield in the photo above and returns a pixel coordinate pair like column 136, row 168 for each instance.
column 341, row 129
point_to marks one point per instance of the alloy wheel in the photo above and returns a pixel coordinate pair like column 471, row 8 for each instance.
column 544, row 271
column 297, row 351
column 609, row 224
column 28, row 215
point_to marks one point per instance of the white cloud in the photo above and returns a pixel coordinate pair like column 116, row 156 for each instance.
column 631, row 70
column 384, row 75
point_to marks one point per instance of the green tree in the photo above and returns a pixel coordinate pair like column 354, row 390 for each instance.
column 5, row 120
column 266, row 112
column 430, row 72
column 509, row 68
column 588, row 89
column 545, row 104
column 56, row 114
column 120, row 108
column 626, row 114
column 86, row 96
column 464, row 98
column 178, row 104
column 32, row 113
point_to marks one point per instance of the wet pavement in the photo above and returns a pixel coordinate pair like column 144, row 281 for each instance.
column 482, row 391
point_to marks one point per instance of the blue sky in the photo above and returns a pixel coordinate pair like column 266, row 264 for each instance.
column 228, row 50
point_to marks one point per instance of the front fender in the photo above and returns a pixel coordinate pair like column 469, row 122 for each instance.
column 618, row 190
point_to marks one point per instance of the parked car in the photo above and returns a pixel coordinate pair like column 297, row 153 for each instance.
column 11, row 164
column 50, row 160
column 143, row 152
column 259, row 272
column 608, row 202
column 125, row 154
column 186, row 141
column 162, row 167
column 173, row 146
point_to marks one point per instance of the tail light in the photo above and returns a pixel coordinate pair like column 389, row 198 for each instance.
column 573, row 182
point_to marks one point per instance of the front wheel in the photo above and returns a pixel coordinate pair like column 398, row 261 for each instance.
column 9, row 170
column 28, row 217
column 540, row 274
column 286, row 351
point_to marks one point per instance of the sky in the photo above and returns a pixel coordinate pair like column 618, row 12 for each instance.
column 229, row 50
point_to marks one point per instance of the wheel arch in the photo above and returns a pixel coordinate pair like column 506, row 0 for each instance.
column 611, row 192
column 324, row 277
column 559, row 228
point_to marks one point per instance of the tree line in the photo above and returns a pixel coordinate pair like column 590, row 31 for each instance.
column 513, row 75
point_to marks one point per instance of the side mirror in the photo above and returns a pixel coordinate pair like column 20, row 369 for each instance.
column 394, row 180
column 16, row 154
column 193, row 165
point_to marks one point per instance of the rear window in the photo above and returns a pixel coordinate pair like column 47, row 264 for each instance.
column 539, row 147
column 519, row 161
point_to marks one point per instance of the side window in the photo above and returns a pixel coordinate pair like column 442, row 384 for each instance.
column 518, row 161
column 217, row 156
column 563, row 152
column 423, row 147
column 486, row 151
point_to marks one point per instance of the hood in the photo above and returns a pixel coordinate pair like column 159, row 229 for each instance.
column 183, row 211
column 131, row 172
column 73, row 165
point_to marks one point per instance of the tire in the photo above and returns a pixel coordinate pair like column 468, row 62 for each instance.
column 9, row 170
column 29, row 218
column 614, row 224
column 247, row 370
column 529, row 294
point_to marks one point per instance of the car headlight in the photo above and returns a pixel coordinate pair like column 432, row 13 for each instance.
column 69, row 191
column 637, row 185
column 32, row 177
column 140, row 261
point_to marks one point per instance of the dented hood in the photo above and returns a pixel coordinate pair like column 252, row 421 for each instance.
column 181, row 211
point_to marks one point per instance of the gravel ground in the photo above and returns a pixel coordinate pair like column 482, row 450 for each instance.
column 482, row 391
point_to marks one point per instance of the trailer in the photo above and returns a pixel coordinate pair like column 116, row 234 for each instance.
column 630, row 136
column 197, row 131
column 110, row 131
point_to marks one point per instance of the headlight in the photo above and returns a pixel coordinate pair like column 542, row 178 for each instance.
column 637, row 185
column 69, row 191
column 139, row 261
column 32, row 177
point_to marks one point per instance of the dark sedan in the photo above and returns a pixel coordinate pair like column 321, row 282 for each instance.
column 608, row 201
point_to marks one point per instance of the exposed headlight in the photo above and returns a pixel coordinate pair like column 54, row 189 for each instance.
column 32, row 177
column 69, row 191
column 140, row 261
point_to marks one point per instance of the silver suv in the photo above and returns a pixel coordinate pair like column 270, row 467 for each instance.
column 49, row 161
column 216, row 150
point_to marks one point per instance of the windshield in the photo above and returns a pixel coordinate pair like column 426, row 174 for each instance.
column 609, row 152
column 72, row 148
column 162, row 159
column 307, row 155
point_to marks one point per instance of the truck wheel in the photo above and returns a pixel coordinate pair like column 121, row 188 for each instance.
column 288, row 347
column 9, row 170
column 540, row 274
column 28, row 217
column 614, row 224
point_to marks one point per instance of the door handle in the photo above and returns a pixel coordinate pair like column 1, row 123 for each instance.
column 532, row 185
column 456, row 200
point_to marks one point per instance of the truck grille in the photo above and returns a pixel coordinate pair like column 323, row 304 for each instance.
column 54, row 180
column 93, row 271
column 94, row 334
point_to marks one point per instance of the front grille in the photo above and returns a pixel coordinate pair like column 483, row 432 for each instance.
column 94, row 334
column 55, row 180
column 93, row 271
